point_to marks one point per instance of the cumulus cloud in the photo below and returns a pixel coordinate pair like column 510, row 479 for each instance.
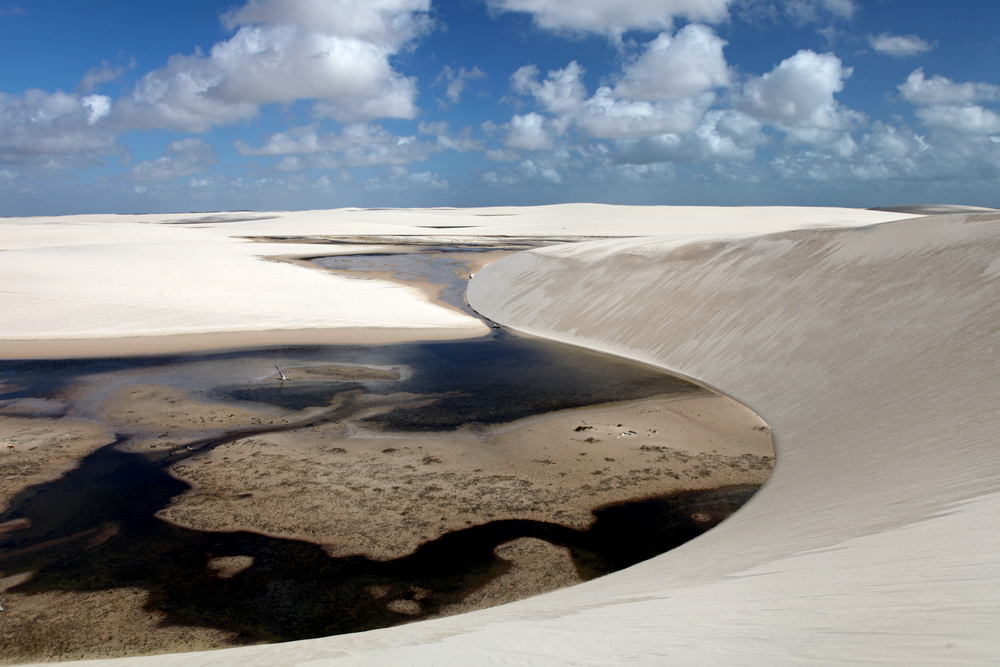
column 658, row 109
column 673, row 67
column 723, row 135
column 613, row 17
column 334, row 51
column 607, row 116
column 532, row 169
column 54, row 130
column 541, row 170
column 951, row 106
column 529, row 131
column 798, row 96
column 899, row 46
column 967, row 119
column 456, row 81
column 461, row 141
column 356, row 145
column 96, row 76
column 181, row 158
column 562, row 91
column 666, row 88
column 403, row 180
column 377, row 21
column 891, row 153
column 918, row 89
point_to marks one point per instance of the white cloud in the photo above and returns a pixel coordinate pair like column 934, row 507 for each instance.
column 98, row 106
column 967, row 119
column 456, row 81
column 377, row 21
column 673, row 67
column 607, row 116
column 357, row 145
column 529, row 131
column 296, row 140
column 798, row 97
column 723, row 135
column 402, row 180
column 614, row 17
column 334, row 51
column 533, row 170
column 899, row 46
column 918, row 89
column 947, row 105
column 96, row 76
column 462, row 141
column 889, row 153
column 561, row 92
column 395, row 99
column 54, row 130
column 667, row 88
column 181, row 158
column 182, row 96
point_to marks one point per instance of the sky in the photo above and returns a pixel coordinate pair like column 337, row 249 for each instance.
column 116, row 106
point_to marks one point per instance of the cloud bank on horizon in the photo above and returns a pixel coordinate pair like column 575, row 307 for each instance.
column 324, row 103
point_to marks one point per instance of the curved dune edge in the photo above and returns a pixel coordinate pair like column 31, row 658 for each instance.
column 871, row 353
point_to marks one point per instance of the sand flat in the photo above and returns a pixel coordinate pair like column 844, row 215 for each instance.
column 383, row 495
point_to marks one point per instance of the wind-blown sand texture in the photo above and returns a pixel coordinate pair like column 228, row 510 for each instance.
column 870, row 352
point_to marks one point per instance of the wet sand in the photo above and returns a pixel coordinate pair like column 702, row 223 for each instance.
column 359, row 493
column 531, row 492
column 383, row 495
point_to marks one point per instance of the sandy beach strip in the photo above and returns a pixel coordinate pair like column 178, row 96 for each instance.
column 134, row 346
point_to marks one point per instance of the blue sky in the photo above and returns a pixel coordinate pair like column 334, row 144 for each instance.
column 119, row 106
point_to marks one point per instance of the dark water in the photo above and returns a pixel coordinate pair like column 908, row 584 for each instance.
column 293, row 589
column 95, row 528
column 481, row 381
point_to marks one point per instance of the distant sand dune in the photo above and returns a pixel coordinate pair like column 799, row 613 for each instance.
column 151, row 277
column 934, row 209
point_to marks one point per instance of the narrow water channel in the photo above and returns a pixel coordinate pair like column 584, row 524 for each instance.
column 100, row 526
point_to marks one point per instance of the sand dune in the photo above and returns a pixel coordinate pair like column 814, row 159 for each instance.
column 934, row 209
column 93, row 277
column 871, row 353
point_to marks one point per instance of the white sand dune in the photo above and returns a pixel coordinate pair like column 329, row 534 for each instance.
column 871, row 352
column 118, row 276
column 69, row 279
